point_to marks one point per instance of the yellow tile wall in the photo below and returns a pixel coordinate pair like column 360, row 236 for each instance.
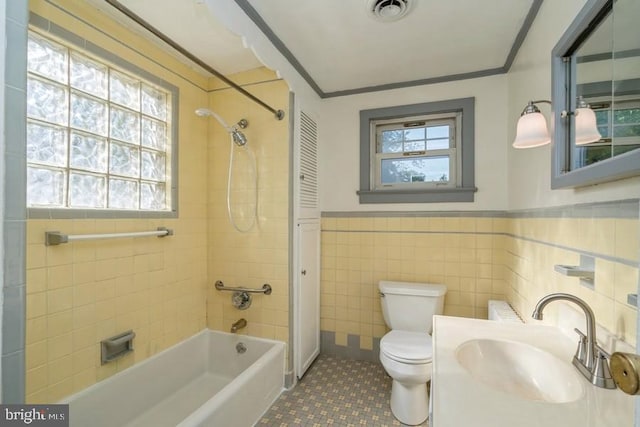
column 477, row 259
column 260, row 255
column 537, row 244
column 464, row 253
column 83, row 292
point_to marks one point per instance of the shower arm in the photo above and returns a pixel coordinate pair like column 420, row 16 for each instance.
column 279, row 114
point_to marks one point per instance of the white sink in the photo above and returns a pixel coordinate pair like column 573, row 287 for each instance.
column 503, row 374
column 520, row 369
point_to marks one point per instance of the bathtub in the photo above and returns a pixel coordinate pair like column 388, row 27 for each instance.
column 202, row 381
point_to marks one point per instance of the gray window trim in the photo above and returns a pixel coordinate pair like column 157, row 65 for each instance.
column 622, row 166
column 46, row 26
column 466, row 189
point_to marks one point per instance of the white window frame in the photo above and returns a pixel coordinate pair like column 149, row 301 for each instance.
column 620, row 104
column 430, row 120
column 608, row 140
column 111, row 60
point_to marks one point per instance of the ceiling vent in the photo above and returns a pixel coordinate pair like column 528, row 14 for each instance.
column 389, row 10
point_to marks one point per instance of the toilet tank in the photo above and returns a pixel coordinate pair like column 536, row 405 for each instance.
column 410, row 306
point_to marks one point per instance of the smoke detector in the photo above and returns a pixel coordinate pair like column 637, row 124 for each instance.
column 389, row 10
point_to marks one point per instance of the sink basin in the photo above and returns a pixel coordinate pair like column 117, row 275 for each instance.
column 520, row 369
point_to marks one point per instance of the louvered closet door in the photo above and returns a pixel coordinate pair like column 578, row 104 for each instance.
column 307, row 250
column 308, row 164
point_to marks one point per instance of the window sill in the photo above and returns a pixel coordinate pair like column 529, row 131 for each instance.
column 447, row 195
column 73, row 213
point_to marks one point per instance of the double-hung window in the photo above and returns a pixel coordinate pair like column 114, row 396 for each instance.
column 418, row 153
column 99, row 136
column 619, row 126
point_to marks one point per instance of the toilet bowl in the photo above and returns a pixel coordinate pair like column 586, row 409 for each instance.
column 406, row 356
column 406, row 351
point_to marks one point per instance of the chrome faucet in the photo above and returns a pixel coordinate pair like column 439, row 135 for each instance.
column 242, row 323
column 590, row 359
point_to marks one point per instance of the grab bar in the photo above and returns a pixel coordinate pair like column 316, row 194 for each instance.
column 52, row 238
column 266, row 288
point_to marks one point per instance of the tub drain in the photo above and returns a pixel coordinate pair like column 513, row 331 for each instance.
column 241, row 348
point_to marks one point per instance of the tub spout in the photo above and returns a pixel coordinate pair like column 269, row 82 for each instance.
column 242, row 323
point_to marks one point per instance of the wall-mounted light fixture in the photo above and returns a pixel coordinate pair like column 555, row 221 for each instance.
column 532, row 126
column 586, row 125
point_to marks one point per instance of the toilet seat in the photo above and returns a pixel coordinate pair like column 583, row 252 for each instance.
column 413, row 348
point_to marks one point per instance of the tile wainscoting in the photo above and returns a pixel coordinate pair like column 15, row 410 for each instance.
column 479, row 256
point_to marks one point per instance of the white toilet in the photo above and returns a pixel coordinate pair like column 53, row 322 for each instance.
column 405, row 351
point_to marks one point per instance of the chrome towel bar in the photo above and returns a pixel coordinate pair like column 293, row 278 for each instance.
column 266, row 288
column 52, row 238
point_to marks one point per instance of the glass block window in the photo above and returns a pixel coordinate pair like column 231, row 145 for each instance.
column 415, row 152
column 98, row 136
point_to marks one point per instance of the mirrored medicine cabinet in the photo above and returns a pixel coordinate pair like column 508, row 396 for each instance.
column 597, row 61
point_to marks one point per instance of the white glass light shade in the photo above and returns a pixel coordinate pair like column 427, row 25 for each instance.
column 531, row 131
column 586, row 127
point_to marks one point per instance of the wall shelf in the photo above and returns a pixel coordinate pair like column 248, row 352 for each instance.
column 585, row 271
column 575, row 271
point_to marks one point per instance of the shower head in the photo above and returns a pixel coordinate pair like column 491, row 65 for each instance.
column 204, row 112
column 238, row 137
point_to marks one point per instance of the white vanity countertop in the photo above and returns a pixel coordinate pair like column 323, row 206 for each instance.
column 459, row 400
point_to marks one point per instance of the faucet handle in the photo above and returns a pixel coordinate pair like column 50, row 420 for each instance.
column 601, row 373
column 581, row 351
column 603, row 352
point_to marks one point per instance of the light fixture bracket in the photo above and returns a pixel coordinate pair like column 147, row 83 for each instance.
column 531, row 106
column 581, row 104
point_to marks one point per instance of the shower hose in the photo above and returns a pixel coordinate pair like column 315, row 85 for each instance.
column 254, row 174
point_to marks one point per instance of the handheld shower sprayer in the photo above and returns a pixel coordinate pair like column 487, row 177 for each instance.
column 239, row 140
column 238, row 137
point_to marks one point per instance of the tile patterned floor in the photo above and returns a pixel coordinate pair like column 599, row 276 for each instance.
column 336, row 392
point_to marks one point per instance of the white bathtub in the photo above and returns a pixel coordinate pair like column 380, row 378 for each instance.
column 202, row 381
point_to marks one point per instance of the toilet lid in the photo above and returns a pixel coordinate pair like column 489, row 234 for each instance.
column 409, row 347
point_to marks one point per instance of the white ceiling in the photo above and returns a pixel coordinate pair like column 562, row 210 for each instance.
column 340, row 49
column 343, row 48
column 190, row 24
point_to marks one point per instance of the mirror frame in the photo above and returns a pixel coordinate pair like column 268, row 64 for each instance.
column 618, row 167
